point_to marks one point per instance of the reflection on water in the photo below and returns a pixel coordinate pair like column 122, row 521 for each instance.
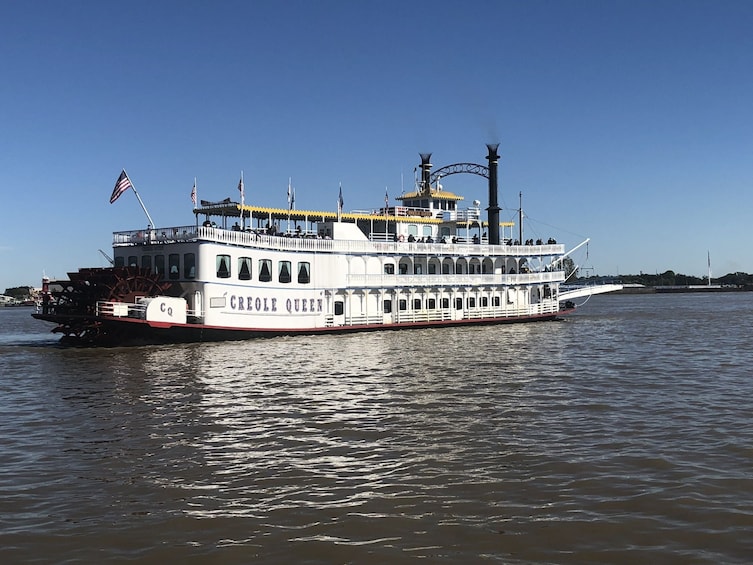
column 619, row 435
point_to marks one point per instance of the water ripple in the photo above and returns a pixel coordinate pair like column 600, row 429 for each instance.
column 619, row 435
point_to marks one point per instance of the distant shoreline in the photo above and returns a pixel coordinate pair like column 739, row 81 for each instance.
column 640, row 289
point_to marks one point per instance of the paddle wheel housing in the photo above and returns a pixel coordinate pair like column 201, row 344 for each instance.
column 72, row 304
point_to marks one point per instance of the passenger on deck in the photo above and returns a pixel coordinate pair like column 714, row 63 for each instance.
column 475, row 238
column 411, row 239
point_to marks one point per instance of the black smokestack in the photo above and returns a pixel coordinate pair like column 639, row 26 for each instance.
column 493, row 209
column 425, row 172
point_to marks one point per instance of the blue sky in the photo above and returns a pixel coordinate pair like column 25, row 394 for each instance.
column 629, row 122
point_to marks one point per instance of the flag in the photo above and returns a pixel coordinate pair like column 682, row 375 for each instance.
column 123, row 183
column 340, row 201
column 292, row 200
column 290, row 195
column 193, row 193
column 240, row 187
column 386, row 200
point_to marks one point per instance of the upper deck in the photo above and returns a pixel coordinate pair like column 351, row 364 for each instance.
column 289, row 242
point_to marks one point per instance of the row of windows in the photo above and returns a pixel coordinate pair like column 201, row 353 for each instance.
column 265, row 269
column 431, row 303
column 158, row 265
column 170, row 266
column 418, row 269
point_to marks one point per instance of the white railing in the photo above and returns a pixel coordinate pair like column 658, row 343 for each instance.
column 120, row 309
column 155, row 236
column 263, row 241
column 391, row 281
column 467, row 215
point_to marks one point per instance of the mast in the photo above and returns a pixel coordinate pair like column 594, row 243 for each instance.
column 708, row 255
column 520, row 218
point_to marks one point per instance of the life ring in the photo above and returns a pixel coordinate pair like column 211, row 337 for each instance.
column 401, row 238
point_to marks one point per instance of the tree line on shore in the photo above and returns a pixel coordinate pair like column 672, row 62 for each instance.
column 667, row 278
column 670, row 278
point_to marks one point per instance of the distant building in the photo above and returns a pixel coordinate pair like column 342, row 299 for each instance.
column 6, row 300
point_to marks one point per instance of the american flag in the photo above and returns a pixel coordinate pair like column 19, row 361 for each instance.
column 123, row 183
column 193, row 193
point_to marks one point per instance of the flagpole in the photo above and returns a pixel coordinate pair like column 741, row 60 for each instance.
column 340, row 203
column 148, row 217
column 243, row 196
column 290, row 204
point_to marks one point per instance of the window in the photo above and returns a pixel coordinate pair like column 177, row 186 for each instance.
column 244, row 268
column 339, row 308
column 159, row 264
column 403, row 305
column 223, row 266
column 265, row 270
column 484, row 302
column 189, row 265
column 119, row 261
column 146, row 262
column 389, row 269
column 173, row 261
column 304, row 272
column 283, row 271
column 432, row 268
column 132, row 261
column 472, row 302
column 458, row 304
column 431, row 303
column 496, row 301
column 445, row 303
column 403, row 269
column 416, row 303
column 387, row 306
column 418, row 269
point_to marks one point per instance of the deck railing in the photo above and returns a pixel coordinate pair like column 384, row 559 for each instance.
column 181, row 234
column 391, row 281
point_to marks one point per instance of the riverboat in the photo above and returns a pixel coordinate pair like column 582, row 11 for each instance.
column 242, row 271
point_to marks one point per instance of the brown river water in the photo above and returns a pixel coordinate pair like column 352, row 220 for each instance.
column 623, row 434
